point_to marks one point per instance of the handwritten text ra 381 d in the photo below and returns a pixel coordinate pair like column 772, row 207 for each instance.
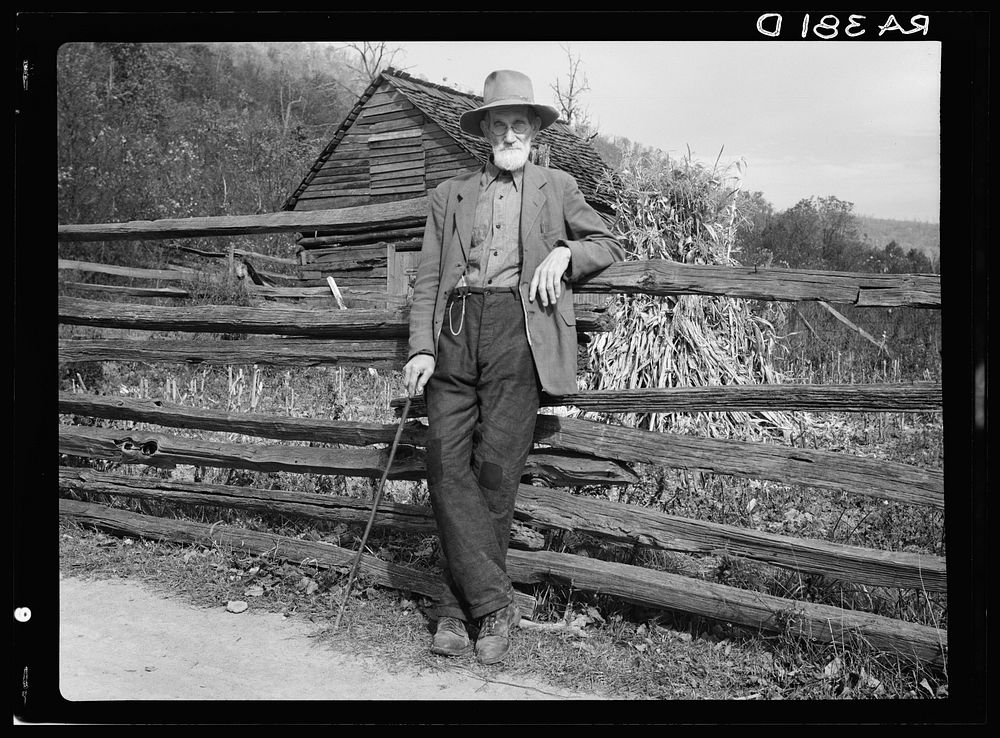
column 832, row 26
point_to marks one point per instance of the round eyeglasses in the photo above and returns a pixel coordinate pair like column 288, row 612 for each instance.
column 520, row 127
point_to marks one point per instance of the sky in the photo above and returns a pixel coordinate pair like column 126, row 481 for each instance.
column 858, row 121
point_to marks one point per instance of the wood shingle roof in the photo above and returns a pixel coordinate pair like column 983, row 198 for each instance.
column 444, row 106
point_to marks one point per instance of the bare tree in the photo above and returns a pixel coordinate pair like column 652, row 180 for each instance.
column 568, row 96
column 373, row 57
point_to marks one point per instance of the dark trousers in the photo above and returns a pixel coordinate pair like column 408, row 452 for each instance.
column 482, row 402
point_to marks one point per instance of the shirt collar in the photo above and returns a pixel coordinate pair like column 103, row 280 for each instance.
column 491, row 171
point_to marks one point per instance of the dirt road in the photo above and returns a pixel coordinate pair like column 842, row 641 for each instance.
column 119, row 640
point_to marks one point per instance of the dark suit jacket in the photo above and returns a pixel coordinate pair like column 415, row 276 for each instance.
column 552, row 210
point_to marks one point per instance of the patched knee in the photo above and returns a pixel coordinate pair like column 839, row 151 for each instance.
column 435, row 467
column 490, row 475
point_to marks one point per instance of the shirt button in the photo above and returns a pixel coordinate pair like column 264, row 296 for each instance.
column 498, row 226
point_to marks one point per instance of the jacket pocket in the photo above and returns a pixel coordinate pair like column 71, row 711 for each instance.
column 566, row 310
column 551, row 235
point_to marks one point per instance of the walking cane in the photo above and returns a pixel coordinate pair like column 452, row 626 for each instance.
column 371, row 518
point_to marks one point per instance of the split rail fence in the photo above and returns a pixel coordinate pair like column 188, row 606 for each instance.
column 569, row 452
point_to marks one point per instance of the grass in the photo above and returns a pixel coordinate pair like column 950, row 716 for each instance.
column 629, row 652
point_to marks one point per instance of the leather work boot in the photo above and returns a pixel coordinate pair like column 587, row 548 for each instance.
column 451, row 638
column 494, row 634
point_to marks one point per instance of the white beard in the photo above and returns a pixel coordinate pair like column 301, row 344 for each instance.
column 511, row 159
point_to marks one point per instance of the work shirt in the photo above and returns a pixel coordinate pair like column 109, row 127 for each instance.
column 495, row 257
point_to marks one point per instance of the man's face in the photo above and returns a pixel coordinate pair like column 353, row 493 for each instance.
column 500, row 127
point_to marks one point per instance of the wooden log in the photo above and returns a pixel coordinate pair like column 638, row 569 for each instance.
column 372, row 276
column 262, row 320
column 920, row 295
column 365, row 230
column 355, row 298
column 309, row 243
column 276, row 279
column 279, row 427
column 395, row 515
column 348, row 257
column 758, row 610
column 551, row 508
column 646, row 528
column 242, row 253
column 235, row 319
column 631, row 583
column 392, row 515
column 557, row 509
column 172, row 274
column 281, row 548
column 164, row 450
column 824, row 469
column 817, row 398
column 559, row 468
column 386, row 214
column 664, row 277
column 327, row 203
column 381, row 354
column 526, row 538
column 129, row 291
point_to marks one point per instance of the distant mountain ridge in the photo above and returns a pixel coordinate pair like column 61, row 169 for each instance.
column 908, row 234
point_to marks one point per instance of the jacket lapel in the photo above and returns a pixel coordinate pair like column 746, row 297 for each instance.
column 532, row 199
column 465, row 210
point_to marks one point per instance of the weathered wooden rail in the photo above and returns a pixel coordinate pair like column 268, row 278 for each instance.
column 631, row 583
column 360, row 218
column 825, row 469
column 569, row 452
column 271, row 319
column 738, row 398
column 662, row 277
column 288, row 352
column 656, row 277
column 843, row 398
column 555, row 467
column 554, row 509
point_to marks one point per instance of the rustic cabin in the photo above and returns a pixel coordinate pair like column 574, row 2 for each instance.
column 400, row 140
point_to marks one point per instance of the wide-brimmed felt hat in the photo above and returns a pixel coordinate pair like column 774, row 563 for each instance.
column 502, row 89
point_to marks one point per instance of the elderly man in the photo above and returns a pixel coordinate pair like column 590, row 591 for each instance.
column 491, row 326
